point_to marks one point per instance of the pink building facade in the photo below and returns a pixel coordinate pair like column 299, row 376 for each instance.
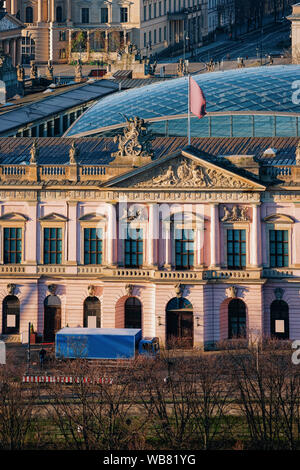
column 188, row 247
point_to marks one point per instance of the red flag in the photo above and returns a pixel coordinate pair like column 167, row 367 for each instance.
column 197, row 99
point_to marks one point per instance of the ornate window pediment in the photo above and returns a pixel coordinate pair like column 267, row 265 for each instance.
column 279, row 219
column 53, row 217
column 92, row 217
column 13, row 217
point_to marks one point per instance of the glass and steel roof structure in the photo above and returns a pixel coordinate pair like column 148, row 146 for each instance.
column 257, row 101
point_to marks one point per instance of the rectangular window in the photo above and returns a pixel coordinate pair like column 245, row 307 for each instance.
column 85, row 15
column 154, row 38
column 123, row 15
column 41, row 130
column 184, row 249
column 52, row 245
column 72, row 118
column 93, row 246
column 49, row 129
column 104, row 15
column 145, row 40
column 279, row 248
column 145, row 12
column 134, row 248
column 154, row 10
column 236, row 249
column 159, row 35
column 165, row 33
column 150, row 14
column 12, row 245
column 165, row 7
column 65, row 122
column 62, row 36
column 56, row 126
column 62, row 53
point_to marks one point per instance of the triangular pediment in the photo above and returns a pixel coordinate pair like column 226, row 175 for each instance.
column 8, row 22
column 185, row 170
column 92, row 217
column 13, row 217
column 53, row 217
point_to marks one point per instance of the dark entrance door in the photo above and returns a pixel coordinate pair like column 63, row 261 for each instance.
column 237, row 319
column 11, row 315
column 52, row 318
column 280, row 319
column 133, row 313
column 180, row 325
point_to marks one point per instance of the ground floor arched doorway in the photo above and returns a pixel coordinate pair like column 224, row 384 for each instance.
column 179, row 323
column 10, row 315
column 280, row 319
column 92, row 312
column 133, row 313
column 237, row 322
column 52, row 317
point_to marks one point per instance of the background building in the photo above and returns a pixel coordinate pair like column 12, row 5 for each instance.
column 67, row 30
column 10, row 35
column 295, row 20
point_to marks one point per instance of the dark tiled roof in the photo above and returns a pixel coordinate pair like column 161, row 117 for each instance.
column 97, row 150
column 45, row 105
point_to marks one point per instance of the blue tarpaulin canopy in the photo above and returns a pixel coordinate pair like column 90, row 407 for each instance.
column 97, row 343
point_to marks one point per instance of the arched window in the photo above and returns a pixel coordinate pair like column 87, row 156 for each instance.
column 52, row 317
column 179, row 322
column 10, row 315
column 59, row 15
column 29, row 15
column 133, row 313
column 92, row 313
column 280, row 319
column 237, row 327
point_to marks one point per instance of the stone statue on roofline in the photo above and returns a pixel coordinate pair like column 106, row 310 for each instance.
column 20, row 73
column 78, row 71
column 49, row 71
column 34, row 153
column 73, row 153
column 33, row 70
column 298, row 154
column 135, row 141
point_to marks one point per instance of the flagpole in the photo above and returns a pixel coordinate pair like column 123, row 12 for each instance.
column 189, row 112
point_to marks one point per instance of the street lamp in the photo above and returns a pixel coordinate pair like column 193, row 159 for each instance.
column 261, row 45
column 186, row 38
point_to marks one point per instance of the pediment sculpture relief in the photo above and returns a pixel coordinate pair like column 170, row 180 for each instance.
column 133, row 213
column 189, row 174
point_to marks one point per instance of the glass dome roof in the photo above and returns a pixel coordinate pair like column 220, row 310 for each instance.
column 250, row 91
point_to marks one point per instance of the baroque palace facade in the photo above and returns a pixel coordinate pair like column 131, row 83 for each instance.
column 126, row 233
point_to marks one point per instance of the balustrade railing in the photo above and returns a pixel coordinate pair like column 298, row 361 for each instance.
column 41, row 173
